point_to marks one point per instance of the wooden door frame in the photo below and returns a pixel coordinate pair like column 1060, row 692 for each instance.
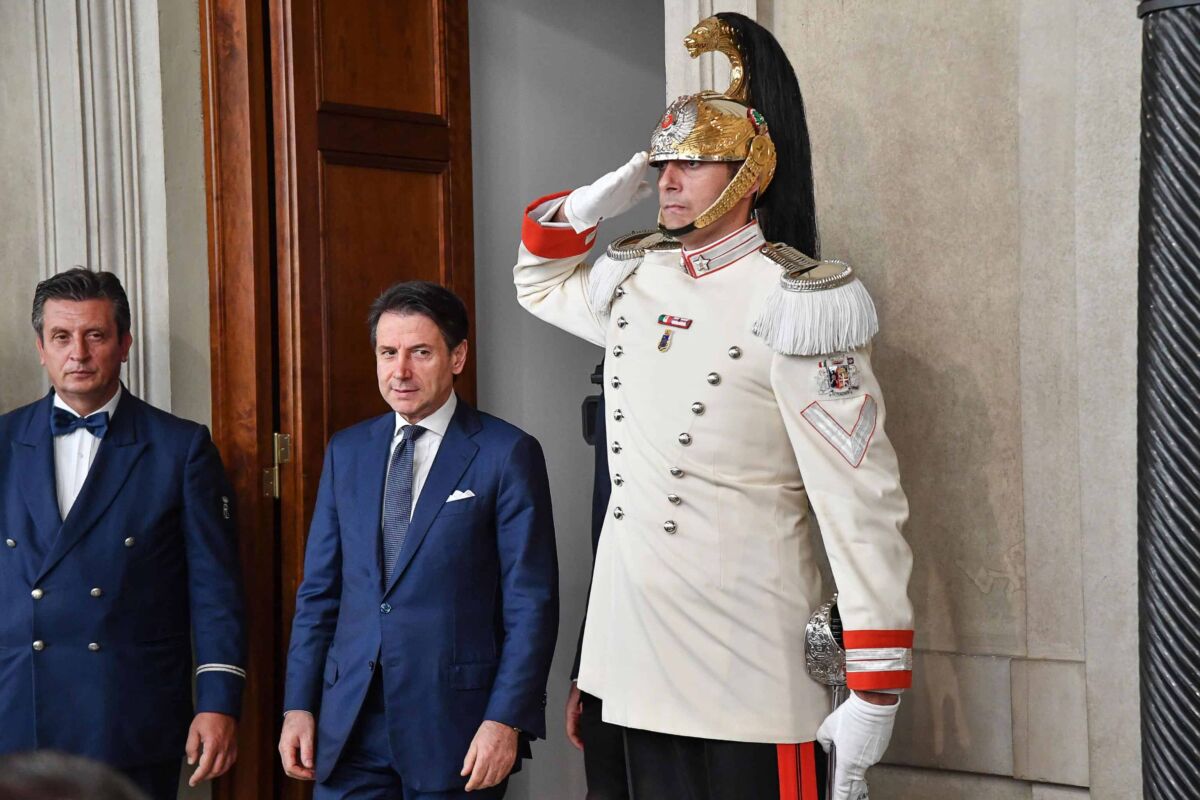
column 237, row 193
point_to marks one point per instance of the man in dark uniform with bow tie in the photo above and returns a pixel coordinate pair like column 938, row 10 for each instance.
column 118, row 550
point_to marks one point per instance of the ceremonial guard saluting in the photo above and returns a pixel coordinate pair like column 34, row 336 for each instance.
column 118, row 552
column 739, row 389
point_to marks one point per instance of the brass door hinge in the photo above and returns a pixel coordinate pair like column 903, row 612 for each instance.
column 282, row 451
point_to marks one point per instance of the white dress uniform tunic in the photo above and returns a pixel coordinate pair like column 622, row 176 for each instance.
column 706, row 574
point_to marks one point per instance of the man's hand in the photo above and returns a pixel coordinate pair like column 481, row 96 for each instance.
column 212, row 740
column 613, row 194
column 491, row 756
column 860, row 730
column 296, row 744
column 574, row 711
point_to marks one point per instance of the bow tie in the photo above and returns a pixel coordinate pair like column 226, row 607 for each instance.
column 63, row 422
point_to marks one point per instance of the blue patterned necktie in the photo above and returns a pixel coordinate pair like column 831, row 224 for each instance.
column 63, row 422
column 397, row 498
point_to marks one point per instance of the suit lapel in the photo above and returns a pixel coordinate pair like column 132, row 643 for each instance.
column 118, row 452
column 370, row 475
column 33, row 458
column 453, row 456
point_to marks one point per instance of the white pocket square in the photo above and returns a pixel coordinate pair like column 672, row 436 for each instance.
column 459, row 494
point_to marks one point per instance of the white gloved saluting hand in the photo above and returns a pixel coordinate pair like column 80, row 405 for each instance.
column 860, row 732
column 614, row 193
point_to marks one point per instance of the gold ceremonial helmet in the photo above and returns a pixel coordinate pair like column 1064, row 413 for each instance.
column 708, row 126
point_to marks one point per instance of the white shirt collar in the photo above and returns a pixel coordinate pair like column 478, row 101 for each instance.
column 110, row 406
column 437, row 422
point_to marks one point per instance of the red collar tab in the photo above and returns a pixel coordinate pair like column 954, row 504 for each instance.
column 723, row 252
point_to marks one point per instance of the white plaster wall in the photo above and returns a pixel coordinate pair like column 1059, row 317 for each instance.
column 21, row 378
column 562, row 91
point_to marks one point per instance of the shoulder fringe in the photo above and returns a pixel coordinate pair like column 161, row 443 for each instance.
column 605, row 276
column 812, row 317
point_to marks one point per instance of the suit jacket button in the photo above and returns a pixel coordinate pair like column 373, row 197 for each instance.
column 385, row 608
column 371, row 666
column 129, row 542
column 39, row 645
column 94, row 646
column 10, row 542
column 37, row 594
column 96, row 592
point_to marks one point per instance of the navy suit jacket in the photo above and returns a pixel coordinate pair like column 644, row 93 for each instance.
column 146, row 558
column 464, row 631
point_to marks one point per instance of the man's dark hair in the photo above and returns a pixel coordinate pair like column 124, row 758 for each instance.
column 42, row 774
column 80, row 284
column 432, row 300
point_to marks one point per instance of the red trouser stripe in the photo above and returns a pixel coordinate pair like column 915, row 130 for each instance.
column 797, row 771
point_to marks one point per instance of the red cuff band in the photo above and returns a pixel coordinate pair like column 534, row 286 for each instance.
column 857, row 640
column 874, row 681
column 546, row 242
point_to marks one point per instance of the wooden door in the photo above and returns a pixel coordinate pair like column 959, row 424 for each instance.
column 367, row 181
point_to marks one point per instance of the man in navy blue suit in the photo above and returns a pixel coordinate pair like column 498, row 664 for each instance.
column 426, row 621
column 118, row 549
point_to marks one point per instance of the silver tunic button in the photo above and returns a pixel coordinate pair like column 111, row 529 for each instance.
column 616, row 447
column 37, row 594
column 713, row 379
column 697, row 408
column 619, row 513
column 735, row 352
column 618, row 480
column 94, row 646
column 669, row 526
column 39, row 645
column 96, row 592
column 618, row 415
column 620, row 292
column 129, row 542
column 676, row 472
column 10, row 542
column 685, row 439
column 622, row 322
column 615, row 382
column 673, row 499
column 617, row 351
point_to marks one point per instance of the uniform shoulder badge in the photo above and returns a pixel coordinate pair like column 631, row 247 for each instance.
column 637, row 244
column 818, row 307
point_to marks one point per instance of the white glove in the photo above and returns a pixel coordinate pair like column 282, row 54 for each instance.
column 860, row 732
column 613, row 194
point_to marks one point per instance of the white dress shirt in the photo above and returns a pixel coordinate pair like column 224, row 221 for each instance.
column 427, row 445
column 73, row 455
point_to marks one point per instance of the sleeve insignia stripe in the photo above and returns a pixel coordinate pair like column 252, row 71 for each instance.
column 230, row 668
column 851, row 444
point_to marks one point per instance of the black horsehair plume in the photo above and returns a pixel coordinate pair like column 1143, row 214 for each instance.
column 786, row 211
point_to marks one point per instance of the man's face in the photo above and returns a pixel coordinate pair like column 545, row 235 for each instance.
column 415, row 368
column 687, row 188
column 82, row 351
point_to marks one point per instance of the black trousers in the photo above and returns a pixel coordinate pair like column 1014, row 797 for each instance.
column 665, row 766
column 603, row 753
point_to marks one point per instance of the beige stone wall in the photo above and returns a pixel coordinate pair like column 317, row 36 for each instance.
column 977, row 161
